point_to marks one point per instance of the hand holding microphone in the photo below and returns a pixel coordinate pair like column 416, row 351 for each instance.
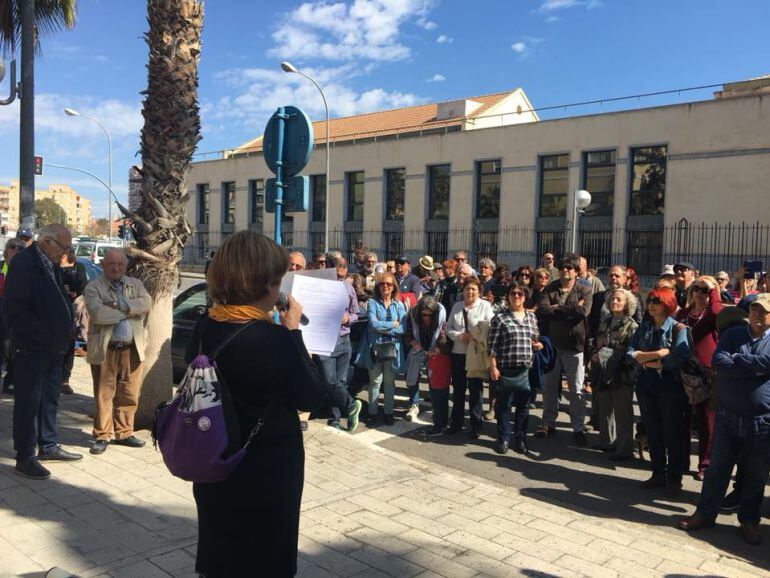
column 291, row 311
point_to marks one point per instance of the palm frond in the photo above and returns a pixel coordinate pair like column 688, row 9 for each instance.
column 50, row 16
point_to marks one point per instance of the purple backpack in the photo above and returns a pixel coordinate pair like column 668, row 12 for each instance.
column 196, row 430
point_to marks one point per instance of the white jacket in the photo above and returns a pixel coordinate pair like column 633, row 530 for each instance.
column 480, row 311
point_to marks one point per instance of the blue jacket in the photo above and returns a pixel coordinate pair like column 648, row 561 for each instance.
column 743, row 372
column 544, row 362
column 648, row 338
column 378, row 329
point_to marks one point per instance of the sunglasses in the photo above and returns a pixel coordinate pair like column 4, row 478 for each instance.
column 459, row 258
column 654, row 301
column 385, row 284
column 549, row 258
column 721, row 279
column 568, row 267
column 401, row 262
column 700, row 289
column 516, row 294
column 321, row 260
column 527, row 275
column 681, row 269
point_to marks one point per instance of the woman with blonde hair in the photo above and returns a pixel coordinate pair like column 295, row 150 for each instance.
column 382, row 351
column 613, row 387
column 270, row 377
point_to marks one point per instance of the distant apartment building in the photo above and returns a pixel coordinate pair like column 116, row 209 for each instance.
column 76, row 206
column 485, row 174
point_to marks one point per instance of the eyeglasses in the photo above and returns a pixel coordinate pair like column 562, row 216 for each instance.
column 568, row 267
column 65, row 248
column 700, row 289
column 516, row 294
column 721, row 279
column 549, row 258
column 681, row 269
column 653, row 301
column 385, row 284
column 458, row 258
column 321, row 261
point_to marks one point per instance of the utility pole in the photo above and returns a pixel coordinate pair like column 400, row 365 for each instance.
column 27, row 117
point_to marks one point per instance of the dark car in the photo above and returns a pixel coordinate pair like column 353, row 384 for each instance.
column 92, row 271
column 191, row 304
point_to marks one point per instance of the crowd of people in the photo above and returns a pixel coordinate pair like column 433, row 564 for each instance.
column 694, row 352
column 557, row 328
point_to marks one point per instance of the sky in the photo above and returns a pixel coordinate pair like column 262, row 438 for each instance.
column 373, row 55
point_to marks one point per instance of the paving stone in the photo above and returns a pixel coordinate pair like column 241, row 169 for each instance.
column 438, row 564
column 480, row 545
column 381, row 540
column 388, row 563
column 176, row 563
column 334, row 562
column 529, row 565
column 143, row 569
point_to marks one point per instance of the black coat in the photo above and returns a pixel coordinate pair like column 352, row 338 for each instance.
column 36, row 308
column 567, row 324
column 248, row 524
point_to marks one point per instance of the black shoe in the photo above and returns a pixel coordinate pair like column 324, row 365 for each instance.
column 652, row 483
column 59, row 454
column 389, row 419
column 131, row 441
column 453, row 430
column 520, row 446
column 501, row 448
column 436, row 432
column 99, row 447
column 579, row 438
column 474, row 435
column 370, row 420
column 32, row 468
column 731, row 502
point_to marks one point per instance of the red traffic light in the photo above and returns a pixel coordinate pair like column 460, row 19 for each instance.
column 38, row 165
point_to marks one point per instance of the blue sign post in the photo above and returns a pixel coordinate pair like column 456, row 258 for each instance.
column 288, row 143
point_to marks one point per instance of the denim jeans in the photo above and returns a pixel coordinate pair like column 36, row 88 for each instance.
column 662, row 403
column 571, row 362
column 459, row 383
column 335, row 369
column 439, row 399
column 38, row 385
column 382, row 375
column 415, row 362
column 745, row 440
column 68, row 362
column 503, row 402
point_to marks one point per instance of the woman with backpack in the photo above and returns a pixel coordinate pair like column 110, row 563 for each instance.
column 249, row 523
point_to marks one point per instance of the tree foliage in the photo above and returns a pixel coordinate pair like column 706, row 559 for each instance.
column 50, row 16
column 48, row 211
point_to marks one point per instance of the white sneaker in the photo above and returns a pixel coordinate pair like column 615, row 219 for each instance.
column 412, row 412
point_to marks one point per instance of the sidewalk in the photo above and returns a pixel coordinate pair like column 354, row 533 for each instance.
column 367, row 512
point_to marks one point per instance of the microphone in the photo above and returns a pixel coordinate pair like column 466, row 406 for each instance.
column 283, row 303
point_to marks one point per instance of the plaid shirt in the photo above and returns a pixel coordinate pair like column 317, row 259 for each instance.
column 510, row 339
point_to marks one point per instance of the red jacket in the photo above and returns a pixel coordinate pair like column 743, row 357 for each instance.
column 703, row 329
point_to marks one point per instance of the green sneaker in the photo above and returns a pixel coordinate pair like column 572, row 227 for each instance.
column 353, row 416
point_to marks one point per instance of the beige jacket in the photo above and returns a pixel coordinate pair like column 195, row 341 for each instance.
column 102, row 318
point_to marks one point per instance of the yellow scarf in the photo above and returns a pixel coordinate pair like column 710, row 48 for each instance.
column 219, row 312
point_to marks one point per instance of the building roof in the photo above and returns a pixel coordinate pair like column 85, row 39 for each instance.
column 394, row 121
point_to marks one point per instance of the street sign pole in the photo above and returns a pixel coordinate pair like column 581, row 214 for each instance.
column 280, row 127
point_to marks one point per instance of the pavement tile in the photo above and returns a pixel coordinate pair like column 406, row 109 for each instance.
column 176, row 563
column 143, row 569
column 381, row 540
column 433, row 527
column 543, row 551
column 480, row 545
column 671, row 568
column 631, row 569
column 570, row 562
column 385, row 562
column 438, row 564
column 488, row 566
column 472, row 527
column 729, row 571
column 336, row 563
column 331, row 539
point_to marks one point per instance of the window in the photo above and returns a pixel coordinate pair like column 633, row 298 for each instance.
column 228, row 196
column 551, row 242
column 438, row 191
column 648, row 180
column 599, row 180
column 645, row 251
column 394, row 244
column 257, row 196
column 355, row 182
column 394, row 194
column 203, row 204
column 318, row 199
column 554, row 184
column 488, row 189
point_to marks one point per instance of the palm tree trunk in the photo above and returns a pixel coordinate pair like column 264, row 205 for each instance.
column 169, row 137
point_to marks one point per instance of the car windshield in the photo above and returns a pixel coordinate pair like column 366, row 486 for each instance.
column 192, row 306
column 101, row 251
column 84, row 249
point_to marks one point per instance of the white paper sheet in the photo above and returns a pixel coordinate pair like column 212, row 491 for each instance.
column 323, row 302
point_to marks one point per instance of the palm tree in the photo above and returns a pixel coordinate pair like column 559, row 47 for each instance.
column 169, row 137
column 50, row 16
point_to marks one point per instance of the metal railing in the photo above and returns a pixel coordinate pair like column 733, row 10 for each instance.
column 711, row 247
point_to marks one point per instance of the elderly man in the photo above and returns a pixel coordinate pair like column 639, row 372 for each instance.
column 39, row 316
column 297, row 261
column 742, row 425
column 723, row 280
column 117, row 308
column 407, row 281
column 685, row 274
column 549, row 262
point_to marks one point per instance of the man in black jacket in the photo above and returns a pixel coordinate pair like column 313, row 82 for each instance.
column 39, row 315
column 565, row 305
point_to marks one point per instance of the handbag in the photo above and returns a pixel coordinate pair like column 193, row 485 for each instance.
column 385, row 350
column 197, row 431
column 514, row 381
column 692, row 374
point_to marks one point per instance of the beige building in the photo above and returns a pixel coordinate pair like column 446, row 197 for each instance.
column 483, row 174
column 77, row 207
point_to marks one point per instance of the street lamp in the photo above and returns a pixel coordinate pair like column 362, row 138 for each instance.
column 72, row 112
column 580, row 203
column 290, row 68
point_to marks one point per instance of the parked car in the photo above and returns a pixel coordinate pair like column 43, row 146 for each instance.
column 101, row 249
column 92, row 271
column 188, row 308
column 85, row 249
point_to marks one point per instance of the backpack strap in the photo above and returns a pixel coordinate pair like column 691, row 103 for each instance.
column 218, row 349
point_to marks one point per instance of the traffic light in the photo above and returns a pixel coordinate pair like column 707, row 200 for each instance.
column 4, row 230
column 122, row 231
column 38, row 165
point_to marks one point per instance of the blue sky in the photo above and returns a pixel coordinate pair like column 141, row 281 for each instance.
column 372, row 55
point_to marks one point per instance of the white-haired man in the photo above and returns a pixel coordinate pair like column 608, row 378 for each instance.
column 117, row 307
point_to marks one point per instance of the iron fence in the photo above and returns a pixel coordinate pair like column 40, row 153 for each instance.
column 711, row 247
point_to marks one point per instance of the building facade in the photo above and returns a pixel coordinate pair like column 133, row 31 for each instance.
column 76, row 206
column 505, row 189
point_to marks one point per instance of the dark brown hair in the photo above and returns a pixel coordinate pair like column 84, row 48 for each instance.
column 244, row 268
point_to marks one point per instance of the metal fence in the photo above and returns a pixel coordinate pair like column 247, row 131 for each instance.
column 710, row 247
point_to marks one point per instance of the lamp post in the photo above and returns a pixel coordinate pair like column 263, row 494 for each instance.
column 110, row 194
column 71, row 112
column 581, row 200
column 290, row 68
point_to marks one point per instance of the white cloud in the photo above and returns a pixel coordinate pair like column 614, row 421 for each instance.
column 426, row 24
column 553, row 5
column 72, row 53
column 369, row 29
column 444, row 39
column 526, row 46
column 519, row 47
column 437, row 78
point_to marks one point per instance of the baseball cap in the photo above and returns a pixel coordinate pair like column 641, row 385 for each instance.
column 24, row 234
column 667, row 270
column 687, row 264
column 401, row 259
column 763, row 300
